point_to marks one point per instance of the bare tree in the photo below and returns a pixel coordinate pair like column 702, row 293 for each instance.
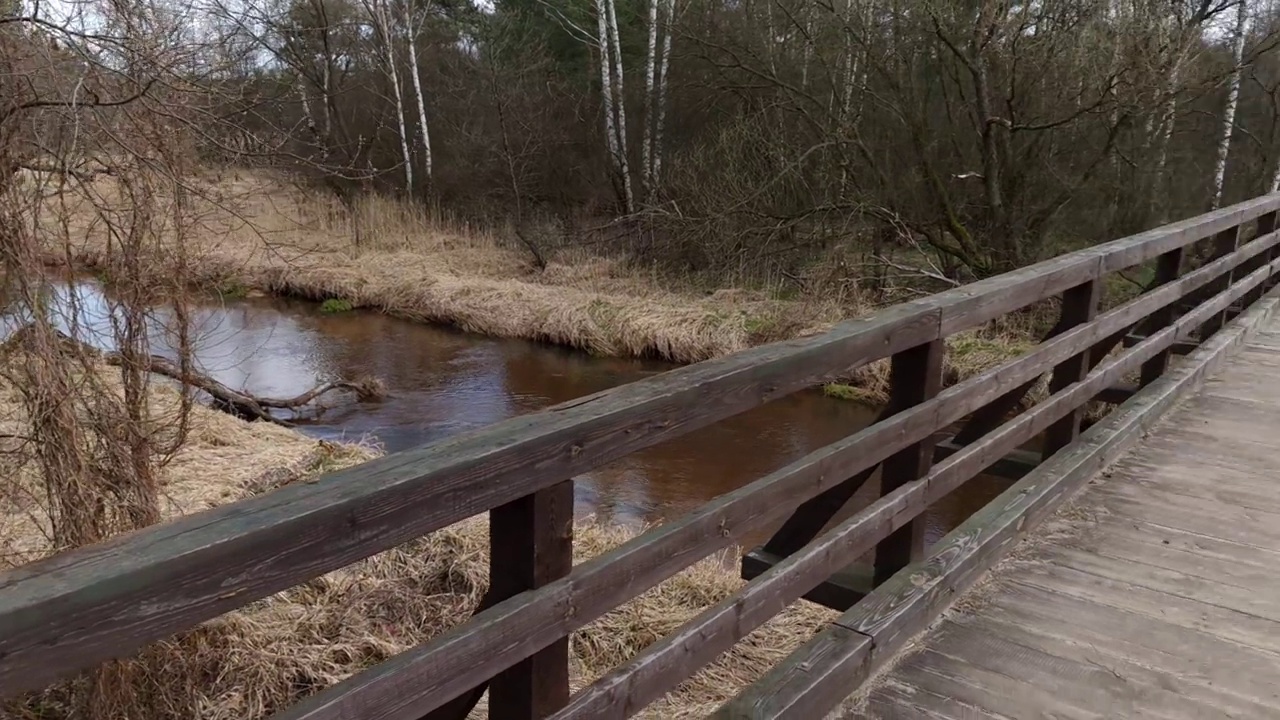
column 650, row 91
column 1233, row 98
column 414, row 20
column 384, row 36
column 613, row 98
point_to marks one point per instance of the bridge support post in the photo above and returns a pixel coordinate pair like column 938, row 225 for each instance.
column 1224, row 243
column 916, row 376
column 531, row 544
column 1168, row 267
column 1079, row 306
column 1266, row 226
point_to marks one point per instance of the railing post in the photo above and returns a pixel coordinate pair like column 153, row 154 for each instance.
column 1266, row 226
column 1168, row 267
column 1079, row 306
column 531, row 544
column 1224, row 243
column 916, row 377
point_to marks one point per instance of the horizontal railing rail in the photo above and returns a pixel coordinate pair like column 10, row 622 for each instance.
column 65, row 614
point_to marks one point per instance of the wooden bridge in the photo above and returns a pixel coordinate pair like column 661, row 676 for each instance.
column 1151, row 594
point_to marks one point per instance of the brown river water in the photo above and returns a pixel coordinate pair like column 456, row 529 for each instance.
column 442, row 382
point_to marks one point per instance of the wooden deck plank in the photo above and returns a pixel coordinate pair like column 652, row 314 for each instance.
column 1238, row 627
column 1211, row 557
column 907, row 702
column 1173, row 582
column 1248, row 488
column 976, row 686
column 1238, row 524
column 1248, row 491
column 1119, row 685
column 1114, row 633
column 1157, row 596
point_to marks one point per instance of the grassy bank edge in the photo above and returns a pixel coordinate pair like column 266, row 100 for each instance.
column 681, row 335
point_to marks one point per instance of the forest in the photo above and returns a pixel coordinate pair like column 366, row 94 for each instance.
column 660, row 179
column 752, row 140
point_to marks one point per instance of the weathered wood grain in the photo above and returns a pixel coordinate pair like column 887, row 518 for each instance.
column 813, row 514
column 531, row 545
column 1168, row 267
column 1149, row 245
column 1224, row 243
column 1136, row 311
column 1013, row 466
column 103, row 601
column 1079, row 306
column 1174, row 593
column 1120, row 632
column 916, row 377
column 895, row 612
column 1267, row 225
column 839, row 592
column 439, row 670
column 806, row 691
column 74, row 610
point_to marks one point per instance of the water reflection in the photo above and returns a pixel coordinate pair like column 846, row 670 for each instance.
column 443, row 382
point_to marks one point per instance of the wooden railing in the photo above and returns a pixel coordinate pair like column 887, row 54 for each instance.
column 72, row 611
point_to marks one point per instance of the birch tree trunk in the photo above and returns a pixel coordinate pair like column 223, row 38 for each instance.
column 328, row 88
column 620, row 107
column 664, row 75
column 646, row 143
column 412, row 26
column 383, row 21
column 606, row 93
column 1229, row 112
column 306, row 109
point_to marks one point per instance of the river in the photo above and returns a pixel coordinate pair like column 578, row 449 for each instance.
column 442, row 382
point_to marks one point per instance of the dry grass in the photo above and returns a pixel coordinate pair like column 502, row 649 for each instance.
column 252, row 662
column 392, row 258
column 269, row 238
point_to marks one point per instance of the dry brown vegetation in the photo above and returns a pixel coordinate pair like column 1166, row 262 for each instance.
column 108, row 122
column 258, row 234
column 258, row 660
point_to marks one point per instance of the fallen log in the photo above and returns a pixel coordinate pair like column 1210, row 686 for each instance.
column 246, row 405
column 240, row 403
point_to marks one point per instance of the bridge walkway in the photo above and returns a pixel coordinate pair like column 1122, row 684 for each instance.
column 1154, row 594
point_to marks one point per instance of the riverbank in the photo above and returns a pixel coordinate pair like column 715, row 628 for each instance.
column 250, row 663
column 264, row 237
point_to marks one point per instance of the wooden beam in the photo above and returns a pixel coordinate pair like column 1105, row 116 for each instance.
column 804, row 524
column 1168, row 267
column 1224, row 243
column 1013, row 466
column 72, row 611
column 1117, row 394
column 811, row 517
column 431, row 674
column 662, row 665
column 1079, row 306
column 840, row 592
column 531, row 545
column 990, row 416
column 831, row 666
column 460, row 707
column 809, row 683
column 915, row 377
column 1182, row 347
column 1267, row 223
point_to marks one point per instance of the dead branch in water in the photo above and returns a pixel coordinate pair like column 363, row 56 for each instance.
column 240, row 403
column 246, row 405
